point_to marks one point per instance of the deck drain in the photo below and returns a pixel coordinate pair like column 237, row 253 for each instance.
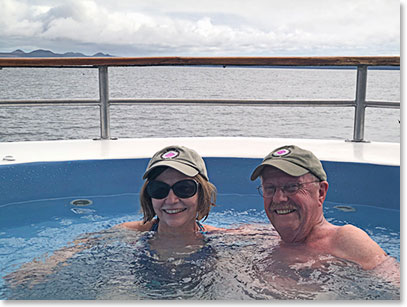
column 8, row 158
column 345, row 208
column 81, row 202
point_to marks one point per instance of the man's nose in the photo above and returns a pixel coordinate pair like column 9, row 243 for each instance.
column 279, row 196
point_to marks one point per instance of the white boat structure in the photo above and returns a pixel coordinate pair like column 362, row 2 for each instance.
column 368, row 157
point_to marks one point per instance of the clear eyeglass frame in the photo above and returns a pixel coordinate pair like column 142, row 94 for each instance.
column 287, row 189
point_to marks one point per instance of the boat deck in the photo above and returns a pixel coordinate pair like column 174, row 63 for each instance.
column 239, row 147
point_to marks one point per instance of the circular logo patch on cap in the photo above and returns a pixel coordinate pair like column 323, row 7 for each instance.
column 170, row 154
column 281, row 152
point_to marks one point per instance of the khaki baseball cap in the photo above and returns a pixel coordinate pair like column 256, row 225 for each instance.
column 293, row 161
column 180, row 158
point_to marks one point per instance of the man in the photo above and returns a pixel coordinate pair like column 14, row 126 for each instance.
column 294, row 187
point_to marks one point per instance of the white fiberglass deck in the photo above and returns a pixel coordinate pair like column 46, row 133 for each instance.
column 239, row 147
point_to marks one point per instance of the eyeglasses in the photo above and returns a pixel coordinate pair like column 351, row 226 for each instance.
column 183, row 189
column 268, row 191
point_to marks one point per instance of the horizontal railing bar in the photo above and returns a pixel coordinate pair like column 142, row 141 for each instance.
column 383, row 104
column 51, row 102
column 182, row 61
column 166, row 101
column 236, row 102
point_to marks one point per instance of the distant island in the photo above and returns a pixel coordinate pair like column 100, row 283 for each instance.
column 41, row 53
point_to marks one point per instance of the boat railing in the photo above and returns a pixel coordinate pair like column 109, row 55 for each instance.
column 103, row 63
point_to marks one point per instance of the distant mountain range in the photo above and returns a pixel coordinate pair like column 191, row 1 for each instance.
column 40, row 53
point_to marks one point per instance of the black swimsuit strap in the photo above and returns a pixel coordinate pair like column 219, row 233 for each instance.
column 154, row 227
column 201, row 228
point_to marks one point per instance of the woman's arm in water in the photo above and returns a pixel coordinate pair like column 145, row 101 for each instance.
column 36, row 270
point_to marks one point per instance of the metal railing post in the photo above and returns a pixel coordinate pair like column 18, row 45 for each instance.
column 104, row 103
column 360, row 104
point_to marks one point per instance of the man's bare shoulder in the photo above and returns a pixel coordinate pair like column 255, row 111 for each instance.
column 354, row 244
column 349, row 234
column 137, row 225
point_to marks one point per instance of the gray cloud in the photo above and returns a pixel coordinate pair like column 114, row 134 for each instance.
column 292, row 27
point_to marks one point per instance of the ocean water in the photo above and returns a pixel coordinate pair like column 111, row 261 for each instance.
column 127, row 121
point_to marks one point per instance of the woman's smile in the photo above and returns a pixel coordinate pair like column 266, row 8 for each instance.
column 174, row 211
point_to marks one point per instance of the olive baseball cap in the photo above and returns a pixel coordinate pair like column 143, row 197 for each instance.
column 180, row 158
column 293, row 161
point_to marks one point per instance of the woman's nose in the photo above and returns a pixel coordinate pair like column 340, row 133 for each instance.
column 172, row 198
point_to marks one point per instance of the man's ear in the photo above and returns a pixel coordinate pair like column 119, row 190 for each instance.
column 323, row 190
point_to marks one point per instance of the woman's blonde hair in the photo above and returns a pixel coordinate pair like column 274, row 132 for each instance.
column 206, row 199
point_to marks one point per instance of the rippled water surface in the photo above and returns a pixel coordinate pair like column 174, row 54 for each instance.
column 51, row 123
column 108, row 263
column 120, row 265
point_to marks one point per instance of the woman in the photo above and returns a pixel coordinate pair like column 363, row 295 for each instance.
column 178, row 193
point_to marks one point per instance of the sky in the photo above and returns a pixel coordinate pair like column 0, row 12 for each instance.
column 203, row 28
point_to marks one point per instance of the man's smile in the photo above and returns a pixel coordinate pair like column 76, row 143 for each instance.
column 284, row 211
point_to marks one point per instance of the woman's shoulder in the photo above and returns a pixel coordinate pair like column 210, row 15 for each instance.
column 209, row 228
column 137, row 225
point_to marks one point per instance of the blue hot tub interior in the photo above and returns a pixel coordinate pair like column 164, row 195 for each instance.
column 39, row 192
column 28, row 189
column 350, row 183
column 37, row 217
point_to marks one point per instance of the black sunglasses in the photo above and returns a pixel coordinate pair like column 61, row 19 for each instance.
column 183, row 189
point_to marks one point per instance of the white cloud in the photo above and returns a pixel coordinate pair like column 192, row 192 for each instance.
column 314, row 27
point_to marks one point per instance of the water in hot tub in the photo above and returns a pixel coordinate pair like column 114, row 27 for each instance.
column 52, row 249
